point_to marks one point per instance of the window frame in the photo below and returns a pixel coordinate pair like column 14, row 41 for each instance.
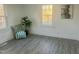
column 4, row 18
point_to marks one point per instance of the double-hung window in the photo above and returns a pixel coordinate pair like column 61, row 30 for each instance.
column 47, row 14
column 2, row 17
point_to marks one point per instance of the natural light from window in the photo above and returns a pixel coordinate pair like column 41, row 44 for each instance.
column 2, row 17
column 47, row 14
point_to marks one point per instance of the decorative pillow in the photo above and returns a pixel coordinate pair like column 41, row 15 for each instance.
column 20, row 35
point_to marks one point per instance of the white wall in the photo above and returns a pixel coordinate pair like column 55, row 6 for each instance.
column 13, row 16
column 67, row 28
column 59, row 27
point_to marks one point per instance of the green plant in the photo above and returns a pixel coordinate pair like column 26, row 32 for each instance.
column 26, row 22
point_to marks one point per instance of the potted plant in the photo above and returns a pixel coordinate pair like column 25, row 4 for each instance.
column 27, row 24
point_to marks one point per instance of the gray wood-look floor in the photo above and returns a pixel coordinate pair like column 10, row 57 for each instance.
column 36, row 44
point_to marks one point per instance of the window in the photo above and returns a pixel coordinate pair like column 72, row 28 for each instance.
column 2, row 17
column 47, row 14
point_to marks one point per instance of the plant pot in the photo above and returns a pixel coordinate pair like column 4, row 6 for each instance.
column 27, row 32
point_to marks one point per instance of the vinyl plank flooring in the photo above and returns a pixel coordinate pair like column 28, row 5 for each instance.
column 37, row 44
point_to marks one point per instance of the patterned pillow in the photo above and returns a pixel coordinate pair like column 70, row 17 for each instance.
column 20, row 35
